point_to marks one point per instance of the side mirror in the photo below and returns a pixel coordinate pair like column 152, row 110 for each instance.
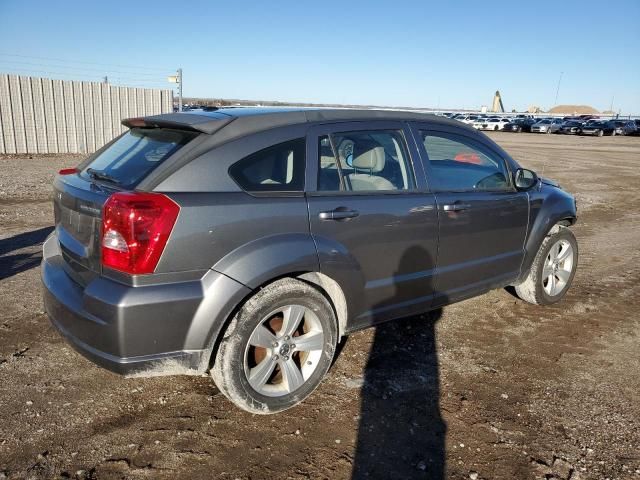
column 525, row 179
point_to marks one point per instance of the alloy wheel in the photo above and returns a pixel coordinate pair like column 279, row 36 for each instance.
column 557, row 268
column 284, row 350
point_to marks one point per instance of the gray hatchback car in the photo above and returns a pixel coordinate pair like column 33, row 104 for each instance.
column 247, row 242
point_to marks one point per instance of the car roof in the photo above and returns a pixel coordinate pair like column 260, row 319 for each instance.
column 247, row 120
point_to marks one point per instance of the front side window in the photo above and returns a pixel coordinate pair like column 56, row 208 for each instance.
column 374, row 160
column 459, row 164
column 279, row 168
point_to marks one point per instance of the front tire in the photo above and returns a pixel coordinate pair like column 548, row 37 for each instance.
column 277, row 349
column 600, row 133
column 552, row 270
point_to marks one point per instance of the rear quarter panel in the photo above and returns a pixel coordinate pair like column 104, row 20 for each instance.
column 242, row 236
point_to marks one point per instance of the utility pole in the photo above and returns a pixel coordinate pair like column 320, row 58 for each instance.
column 558, row 89
column 179, row 89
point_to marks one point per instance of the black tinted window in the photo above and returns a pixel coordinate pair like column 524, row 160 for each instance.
column 458, row 164
column 279, row 168
column 136, row 153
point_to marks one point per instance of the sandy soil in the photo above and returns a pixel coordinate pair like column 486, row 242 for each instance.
column 488, row 388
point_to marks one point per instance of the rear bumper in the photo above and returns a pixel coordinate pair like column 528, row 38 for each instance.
column 149, row 330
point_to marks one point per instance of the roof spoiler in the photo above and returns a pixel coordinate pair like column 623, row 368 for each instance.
column 208, row 124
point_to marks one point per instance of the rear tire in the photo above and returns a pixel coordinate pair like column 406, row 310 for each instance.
column 552, row 270
column 277, row 348
column 600, row 133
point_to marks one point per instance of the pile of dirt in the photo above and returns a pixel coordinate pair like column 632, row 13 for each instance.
column 573, row 109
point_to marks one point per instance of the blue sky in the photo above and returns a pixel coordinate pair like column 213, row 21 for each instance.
column 415, row 53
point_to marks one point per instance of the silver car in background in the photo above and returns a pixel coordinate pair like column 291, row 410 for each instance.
column 547, row 125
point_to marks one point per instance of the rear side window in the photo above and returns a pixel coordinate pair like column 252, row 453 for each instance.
column 135, row 154
column 458, row 164
column 279, row 168
column 374, row 160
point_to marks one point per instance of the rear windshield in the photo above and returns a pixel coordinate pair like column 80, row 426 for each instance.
column 134, row 155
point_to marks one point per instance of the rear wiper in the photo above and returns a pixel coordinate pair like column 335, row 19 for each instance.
column 100, row 175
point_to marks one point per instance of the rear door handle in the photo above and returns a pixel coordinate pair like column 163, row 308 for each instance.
column 338, row 214
column 456, row 207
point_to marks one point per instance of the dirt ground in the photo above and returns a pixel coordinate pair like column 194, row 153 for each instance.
column 488, row 388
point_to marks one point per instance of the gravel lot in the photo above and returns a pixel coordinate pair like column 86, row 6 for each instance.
column 488, row 388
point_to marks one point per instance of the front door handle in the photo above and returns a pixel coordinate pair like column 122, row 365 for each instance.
column 456, row 207
column 338, row 214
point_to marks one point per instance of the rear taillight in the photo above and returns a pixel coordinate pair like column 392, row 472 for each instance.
column 68, row 171
column 135, row 230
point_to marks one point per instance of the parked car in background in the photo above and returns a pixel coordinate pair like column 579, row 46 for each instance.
column 468, row 119
column 570, row 127
column 547, row 125
column 493, row 123
column 624, row 127
column 247, row 242
column 520, row 124
column 637, row 124
column 598, row 128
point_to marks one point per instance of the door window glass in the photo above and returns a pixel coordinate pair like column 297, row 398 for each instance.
column 458, row 164
column 374, row 160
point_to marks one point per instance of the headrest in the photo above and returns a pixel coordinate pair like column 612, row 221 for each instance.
column 369, row 156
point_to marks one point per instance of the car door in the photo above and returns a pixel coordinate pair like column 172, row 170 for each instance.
column 374, row 223
column 483, row 219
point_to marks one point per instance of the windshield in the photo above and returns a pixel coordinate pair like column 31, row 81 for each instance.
column 135, row 154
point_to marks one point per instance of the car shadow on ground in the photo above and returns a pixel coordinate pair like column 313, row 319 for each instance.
column 12, row 261
column 401, row 433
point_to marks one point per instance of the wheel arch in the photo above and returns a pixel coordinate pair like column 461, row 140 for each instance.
column 551, row 208
column 321, row 282
column 331, row 289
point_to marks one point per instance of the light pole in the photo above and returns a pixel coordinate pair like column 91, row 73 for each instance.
column 179, row 89
column 178, row 80
column 558, row 89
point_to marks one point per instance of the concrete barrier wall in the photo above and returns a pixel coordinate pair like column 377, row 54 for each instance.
column 41, row 115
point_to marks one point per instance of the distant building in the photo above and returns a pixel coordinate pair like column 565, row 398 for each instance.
column 574, row 110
